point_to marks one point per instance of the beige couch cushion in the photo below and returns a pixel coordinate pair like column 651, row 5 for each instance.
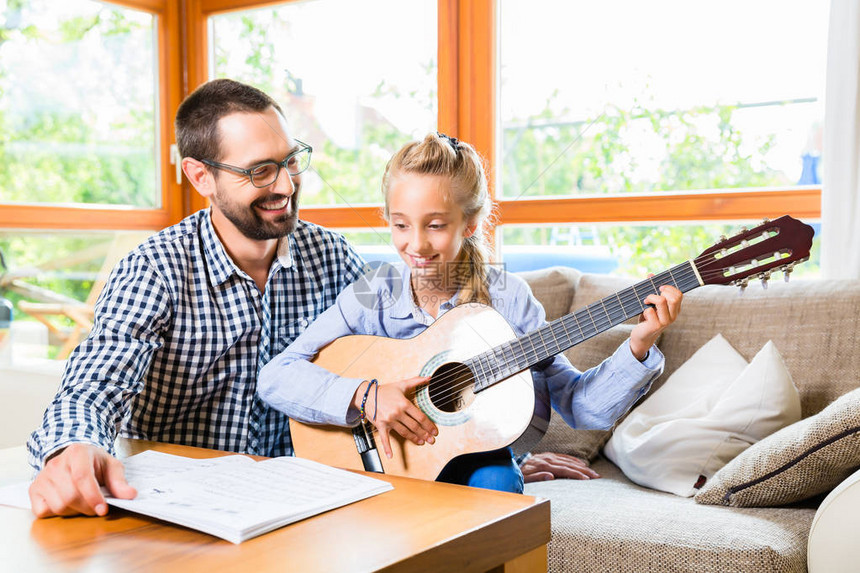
column 805, row 459
column 562, row 438
column 811, row 322
column 611, row 524
column 554, row 288
column 581, row 290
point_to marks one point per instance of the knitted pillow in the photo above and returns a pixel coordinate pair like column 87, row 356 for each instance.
column 802, row 460
column 553, row 288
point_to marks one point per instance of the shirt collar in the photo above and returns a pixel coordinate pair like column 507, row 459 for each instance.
column 405, row 307
column 221, row 266
column 285, row 252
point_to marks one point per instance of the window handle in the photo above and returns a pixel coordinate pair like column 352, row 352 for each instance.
column 176, row 160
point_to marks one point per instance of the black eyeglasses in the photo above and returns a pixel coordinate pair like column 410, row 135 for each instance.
column 266, row 173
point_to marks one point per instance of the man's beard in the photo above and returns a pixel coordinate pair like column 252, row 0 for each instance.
column 250, row 224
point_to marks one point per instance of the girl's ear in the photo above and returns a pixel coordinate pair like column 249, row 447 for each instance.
column 470, row 229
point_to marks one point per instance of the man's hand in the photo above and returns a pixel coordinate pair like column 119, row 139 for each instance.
column 663, row 312
column 390, row 408
column 551, row 465
column 69, row 482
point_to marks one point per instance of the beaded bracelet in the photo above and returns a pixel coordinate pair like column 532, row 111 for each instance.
column 362, row 413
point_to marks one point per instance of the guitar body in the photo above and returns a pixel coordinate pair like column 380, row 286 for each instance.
column 502, row 408
column 467, row 421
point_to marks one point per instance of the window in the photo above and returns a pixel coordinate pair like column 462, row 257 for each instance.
column 53, row 279
column 86, row 109
column 653, row 97
column 78, row 105
column 356, row 93
column 664, row 99
column 616, row 131
column 86, row 105
column 633, row 250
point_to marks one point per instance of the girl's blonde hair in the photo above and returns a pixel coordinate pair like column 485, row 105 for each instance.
column 441, row 155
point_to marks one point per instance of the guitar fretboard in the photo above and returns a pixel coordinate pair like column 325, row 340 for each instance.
column 514, row 356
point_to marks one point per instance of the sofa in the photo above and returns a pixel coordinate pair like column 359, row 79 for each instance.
column 612, row 524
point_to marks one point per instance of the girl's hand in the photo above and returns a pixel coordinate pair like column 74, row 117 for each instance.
column 654, row 320
column 395, row 411
column 552, row 465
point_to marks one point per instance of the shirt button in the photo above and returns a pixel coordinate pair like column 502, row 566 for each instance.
column 303, row 322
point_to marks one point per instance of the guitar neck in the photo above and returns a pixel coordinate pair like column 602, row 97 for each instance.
column 514, row 356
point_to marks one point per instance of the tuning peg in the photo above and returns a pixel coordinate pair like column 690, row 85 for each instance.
column 765, row 221
column 723, row 239
column 764, row 278
column 743, row 286
column 786, row 271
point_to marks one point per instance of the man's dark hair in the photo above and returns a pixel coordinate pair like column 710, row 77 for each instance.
column 197, row 117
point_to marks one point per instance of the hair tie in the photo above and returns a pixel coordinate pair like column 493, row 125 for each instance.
column 453, row 141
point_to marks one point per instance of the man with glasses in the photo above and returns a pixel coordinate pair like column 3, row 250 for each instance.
column 187, row 319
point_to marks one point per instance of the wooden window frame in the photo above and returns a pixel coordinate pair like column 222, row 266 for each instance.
column 467, row 109
column 467, row 88
column 96, row 217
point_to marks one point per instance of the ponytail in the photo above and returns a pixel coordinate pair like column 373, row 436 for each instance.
column 441, row 155
column 474, row 285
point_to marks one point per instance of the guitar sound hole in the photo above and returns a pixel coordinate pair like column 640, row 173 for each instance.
column 451, row 387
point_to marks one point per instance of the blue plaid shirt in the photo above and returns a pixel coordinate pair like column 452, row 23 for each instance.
column 180, row 336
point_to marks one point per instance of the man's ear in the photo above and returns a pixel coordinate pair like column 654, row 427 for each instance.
column 199, row 176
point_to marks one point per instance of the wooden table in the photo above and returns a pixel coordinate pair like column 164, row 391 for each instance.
column 418, row 526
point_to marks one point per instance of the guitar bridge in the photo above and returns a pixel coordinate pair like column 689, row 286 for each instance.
column 366, row 446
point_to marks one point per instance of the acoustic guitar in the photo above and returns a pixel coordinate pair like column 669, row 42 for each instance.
column 480, row 394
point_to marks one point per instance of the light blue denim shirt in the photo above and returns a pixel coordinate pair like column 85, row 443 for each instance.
column 381, row 303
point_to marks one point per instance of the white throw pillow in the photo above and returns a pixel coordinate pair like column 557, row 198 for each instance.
column 709, row 410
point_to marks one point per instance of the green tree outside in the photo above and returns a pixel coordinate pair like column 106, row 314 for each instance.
column 701, row 148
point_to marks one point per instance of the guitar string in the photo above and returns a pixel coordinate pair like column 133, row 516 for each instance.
column 625, row 296
column 483, row 360
column 628, row 295
column 373, row 430
column 456, row 388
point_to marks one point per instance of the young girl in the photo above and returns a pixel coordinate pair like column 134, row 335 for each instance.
column 436, row 202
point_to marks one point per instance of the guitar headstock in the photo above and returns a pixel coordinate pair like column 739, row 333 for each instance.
column 776, row 245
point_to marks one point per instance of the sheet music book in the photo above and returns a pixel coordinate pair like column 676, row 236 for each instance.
column 236, row 498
